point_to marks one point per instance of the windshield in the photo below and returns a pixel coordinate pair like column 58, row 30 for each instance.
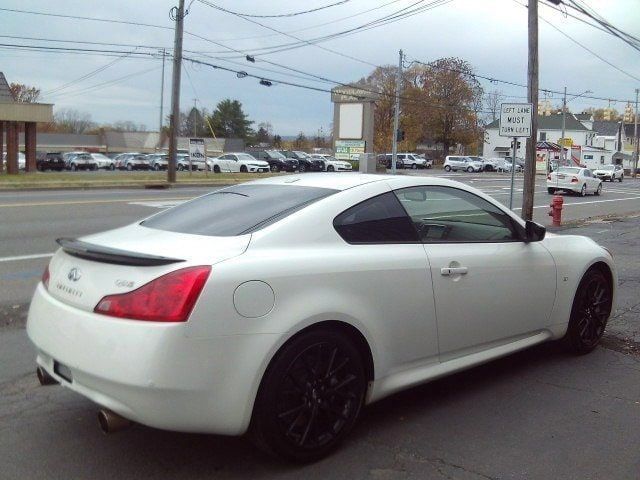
column 274, row 154
column 607, row 167
column 236, row 210
column 301, row 154
column 571, row 170
column 100, row 156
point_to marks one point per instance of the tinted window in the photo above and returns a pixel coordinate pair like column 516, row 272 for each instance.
column 236, row 210
column 445, row 214
column 380, row 219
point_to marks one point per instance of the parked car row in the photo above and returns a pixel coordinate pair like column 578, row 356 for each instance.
column 405, row 160
column 475, row 164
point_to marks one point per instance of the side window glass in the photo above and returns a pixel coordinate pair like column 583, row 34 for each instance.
column 379, row 219
column 450, row 215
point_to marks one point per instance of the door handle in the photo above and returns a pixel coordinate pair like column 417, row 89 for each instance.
column 446, row 271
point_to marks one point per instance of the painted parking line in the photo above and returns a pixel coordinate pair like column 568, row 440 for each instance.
column 25, row 257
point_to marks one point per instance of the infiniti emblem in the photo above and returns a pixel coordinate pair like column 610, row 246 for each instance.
column 74, row 275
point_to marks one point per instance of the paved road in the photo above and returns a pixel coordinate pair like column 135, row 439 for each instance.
column 538, row 414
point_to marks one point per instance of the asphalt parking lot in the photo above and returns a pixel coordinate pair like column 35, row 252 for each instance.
column 538, row 414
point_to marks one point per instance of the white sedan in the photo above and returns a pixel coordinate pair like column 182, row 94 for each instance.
column 332, row 164
column 237, row 162
column 284, row 305
column 573, row 180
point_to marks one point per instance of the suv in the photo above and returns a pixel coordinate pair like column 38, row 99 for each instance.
column 455, row 163
column 304, row 161
column 79, row 161
column 158, row 161
column 609, row 172
column 132, row 161
column 490, row 164
column 412, row 160
column 275, row 159
column 387, row 160
column 50, row 161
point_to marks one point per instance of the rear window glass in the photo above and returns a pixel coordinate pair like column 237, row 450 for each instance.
column 236, row 210
column 571, row 170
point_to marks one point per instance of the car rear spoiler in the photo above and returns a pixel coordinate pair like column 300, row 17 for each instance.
column 99, row 253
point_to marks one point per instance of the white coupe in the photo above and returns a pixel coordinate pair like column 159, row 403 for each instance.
column 237, row 162
column 573, row 180
column 284, row 305
column 332, row 164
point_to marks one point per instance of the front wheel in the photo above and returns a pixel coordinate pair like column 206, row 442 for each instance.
column 216, row 169
column 243, row 168
column 156, row 167
column 447, row 168
column 469, row 169
column 589, row 313
column 414, row 166
column 310, row 397
column 598, row 190
column 302, row 168
column 129, row 167
column 331, row 168
column 112, row 167
column 275, row 168
column 181, row 167
column 583, row 190
column 74, row 167
column 620, row 179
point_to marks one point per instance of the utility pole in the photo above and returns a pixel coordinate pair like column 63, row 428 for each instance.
column 175, row 93
column 635, row 136
column 532, row 81
column 195, row 117
column 564, row 120
column 396, row 118
column 164, row 53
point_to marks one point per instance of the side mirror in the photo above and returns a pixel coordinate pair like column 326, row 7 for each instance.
column 534, row 232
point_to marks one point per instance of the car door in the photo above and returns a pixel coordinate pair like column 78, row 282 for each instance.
column 592, row 181
column 233, row 163
column 490, row 287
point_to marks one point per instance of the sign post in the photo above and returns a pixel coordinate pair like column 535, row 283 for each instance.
column 196, row 152
column 515, row 122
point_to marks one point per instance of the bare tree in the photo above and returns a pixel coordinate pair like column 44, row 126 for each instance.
column 68, row 120
column 492, row 101
column 24, row 93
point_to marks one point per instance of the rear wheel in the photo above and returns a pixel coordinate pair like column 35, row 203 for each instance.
column 414, row 166
column 156, row 167
column 620, row 179
column 275, row 168
column 73, row 167
column 598, row 190
column 129, row 167
column 447, row 168
column 181, row 167
column 310, row 396
column 583, row 190
column 243, row 168
column 112, row 167
column 331, row 168
column 216, row 169
column 302, row 168
column 589, row 313
column 470, row 169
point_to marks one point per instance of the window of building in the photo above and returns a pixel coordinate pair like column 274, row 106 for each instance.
column 543, row 136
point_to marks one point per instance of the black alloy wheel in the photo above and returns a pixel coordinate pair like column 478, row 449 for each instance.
column 589, row 313
column 310, row 396
column 302, row 168
column 330, row 168
column 275, row 168
column 216, row 169
column 243, row 168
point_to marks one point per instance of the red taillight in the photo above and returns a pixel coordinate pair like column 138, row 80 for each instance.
column 169, row 298
column 574, row 179
column 45, row 277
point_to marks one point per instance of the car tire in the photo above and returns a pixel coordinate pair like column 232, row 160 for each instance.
column 74, row 167
column 598, row 190
column 298, row 416
column 551, row 191
column 181, row 167
column 129, row 167
column 243, row 168
column 583, row 190
column 112, row 167
column 156, row 167
column 470, row 170
column 331, row 168
column 275, row 168
column 302, row 168
column 447, row 168
column 620, row 179
column 414, row 166
column 216, row 169
column 589, row 313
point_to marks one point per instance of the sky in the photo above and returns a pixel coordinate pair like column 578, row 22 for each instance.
column 490, row 34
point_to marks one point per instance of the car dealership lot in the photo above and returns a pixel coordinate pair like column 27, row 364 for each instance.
column 539, row 414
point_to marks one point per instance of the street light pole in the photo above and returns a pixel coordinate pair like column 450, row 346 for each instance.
column 635, row 137
column 396, row 117
column 564, row 120
column 175, row 93
column 164, row 52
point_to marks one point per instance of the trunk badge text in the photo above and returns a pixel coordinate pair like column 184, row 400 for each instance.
column 74, row 274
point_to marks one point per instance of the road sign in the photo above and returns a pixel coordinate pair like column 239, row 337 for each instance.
column 515, row 119
column 349, row 149
column 196, row 152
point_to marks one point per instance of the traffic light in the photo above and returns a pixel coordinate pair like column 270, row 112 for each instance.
column 399, row 135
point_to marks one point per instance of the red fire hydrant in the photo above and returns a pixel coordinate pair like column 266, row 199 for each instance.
column 556, row 210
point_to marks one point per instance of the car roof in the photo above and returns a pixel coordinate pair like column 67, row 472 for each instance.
column 345, row 180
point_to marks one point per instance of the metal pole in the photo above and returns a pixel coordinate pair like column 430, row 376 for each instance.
column 564, row 119
column 529, row 182
column 175, row 94
column 635, row 136
column 161, row 101
column 513, row 170
column 396, row 117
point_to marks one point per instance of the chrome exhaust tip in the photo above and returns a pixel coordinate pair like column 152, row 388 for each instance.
column 111, row 422
column 44, row 378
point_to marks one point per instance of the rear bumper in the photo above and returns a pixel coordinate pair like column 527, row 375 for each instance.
column 150, row 372
column 569, row 187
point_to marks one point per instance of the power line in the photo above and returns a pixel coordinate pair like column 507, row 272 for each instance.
column 86, row 42
column 292, row 14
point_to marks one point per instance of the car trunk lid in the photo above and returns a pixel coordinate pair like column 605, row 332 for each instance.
column 83, row 271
